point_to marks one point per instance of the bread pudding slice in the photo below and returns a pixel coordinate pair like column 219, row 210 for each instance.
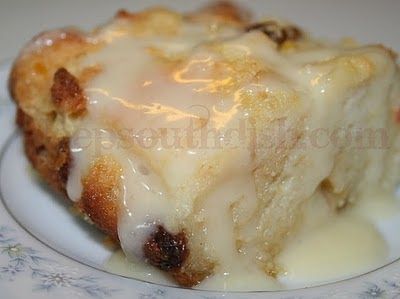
column 196, row 140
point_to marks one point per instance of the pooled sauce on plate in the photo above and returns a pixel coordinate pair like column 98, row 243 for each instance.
column 328, row 249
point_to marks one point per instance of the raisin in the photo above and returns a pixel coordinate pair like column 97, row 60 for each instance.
column 279, row 34
column 166, row 251
column 66, row 93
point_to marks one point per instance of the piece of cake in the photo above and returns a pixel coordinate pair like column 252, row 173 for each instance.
column 195, row 141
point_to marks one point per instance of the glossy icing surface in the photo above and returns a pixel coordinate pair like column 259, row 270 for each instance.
column 187, row 117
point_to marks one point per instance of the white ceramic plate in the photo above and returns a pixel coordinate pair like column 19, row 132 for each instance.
column 47, row 252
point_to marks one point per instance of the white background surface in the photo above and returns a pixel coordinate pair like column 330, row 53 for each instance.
column 368, row 20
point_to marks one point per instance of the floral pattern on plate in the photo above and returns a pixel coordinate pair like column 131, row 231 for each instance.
column 46, row 274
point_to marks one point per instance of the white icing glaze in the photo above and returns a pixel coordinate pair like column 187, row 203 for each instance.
column 153, row 99
column 164, row 182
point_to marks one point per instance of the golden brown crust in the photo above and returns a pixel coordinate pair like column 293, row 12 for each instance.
column 219, row 12
column 40, row 59
column 189, row 276
column 51, row 158
column 48, row 155
column 222, row 11
column 228, row 11
column 101, row 190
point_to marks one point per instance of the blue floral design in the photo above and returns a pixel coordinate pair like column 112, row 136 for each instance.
column 21, row 255
column 373, row 291
column 48, row 280
column 4, row 230
column 46, row 274
column 10, row 271
column 156, row 294
column 393, row 289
